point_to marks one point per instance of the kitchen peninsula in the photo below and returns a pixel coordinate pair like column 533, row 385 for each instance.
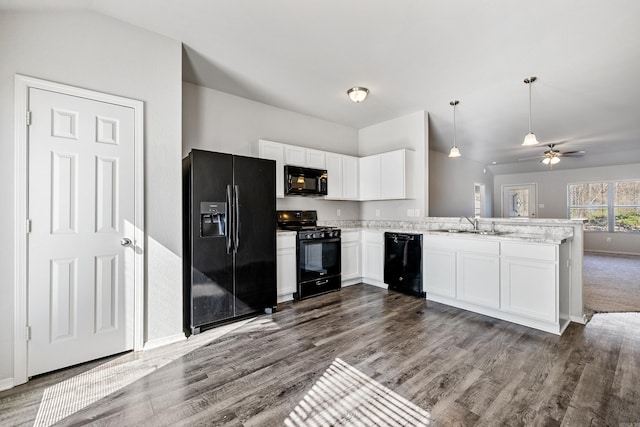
column 527, row 271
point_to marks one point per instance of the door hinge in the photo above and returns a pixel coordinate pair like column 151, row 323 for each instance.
column 28, row 118
column 28, row 225
column 27, row 333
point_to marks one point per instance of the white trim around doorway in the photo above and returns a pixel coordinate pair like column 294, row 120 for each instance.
column 22, row 85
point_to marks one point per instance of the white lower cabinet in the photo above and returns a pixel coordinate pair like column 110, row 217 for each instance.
column 464, row 269
column 479, row 275
column 439, row 266
column 530, row 280
column 373, row 256
column 522, row 282
column 286, row 266
column 351, row 259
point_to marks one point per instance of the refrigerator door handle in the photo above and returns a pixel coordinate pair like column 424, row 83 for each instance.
column 236, row 219
column 228, row 220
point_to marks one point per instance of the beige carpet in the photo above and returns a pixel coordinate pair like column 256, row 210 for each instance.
column 611, row 282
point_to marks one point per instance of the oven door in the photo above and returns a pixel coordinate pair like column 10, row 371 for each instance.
column 318, row 259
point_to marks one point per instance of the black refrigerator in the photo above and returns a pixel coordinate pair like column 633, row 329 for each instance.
column 229, row 238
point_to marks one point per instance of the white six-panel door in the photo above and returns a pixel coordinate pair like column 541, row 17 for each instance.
column 81, row 208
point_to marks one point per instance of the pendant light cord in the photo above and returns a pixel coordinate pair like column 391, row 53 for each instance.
column 530, row 81
column 454, row 124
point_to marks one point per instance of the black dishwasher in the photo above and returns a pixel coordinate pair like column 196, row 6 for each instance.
column 403, row 263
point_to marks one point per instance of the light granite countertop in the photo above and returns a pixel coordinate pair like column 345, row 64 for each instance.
column 549, row 237
column 550, row 231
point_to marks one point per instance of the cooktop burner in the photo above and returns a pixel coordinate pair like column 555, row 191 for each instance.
column 306, row 224
column 305, row 227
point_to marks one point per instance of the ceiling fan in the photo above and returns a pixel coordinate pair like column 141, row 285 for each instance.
column 552, row 155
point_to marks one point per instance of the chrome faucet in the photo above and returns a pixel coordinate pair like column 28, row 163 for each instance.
column 473, row 222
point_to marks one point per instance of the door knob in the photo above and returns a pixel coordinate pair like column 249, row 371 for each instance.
column 126, row 242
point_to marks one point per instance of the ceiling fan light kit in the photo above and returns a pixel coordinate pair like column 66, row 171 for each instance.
column 358, row 94
column 455, row 152
column 530, row 138
column 550, row 160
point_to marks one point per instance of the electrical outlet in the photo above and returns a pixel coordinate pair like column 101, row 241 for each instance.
column 409, row 212
column 416, row 212
column 541, row 205
column 377, row 212
column 338, row 212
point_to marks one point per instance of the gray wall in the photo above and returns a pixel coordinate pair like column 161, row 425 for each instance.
column 217, row 121
column 98, row 53
column 552, row 193
column 451, row 185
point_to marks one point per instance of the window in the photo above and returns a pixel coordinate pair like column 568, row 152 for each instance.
column 606, row 206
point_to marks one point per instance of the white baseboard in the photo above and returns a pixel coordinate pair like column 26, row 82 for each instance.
column 611, row 252
column 578, row 319
column 351, row 282
column 376, row 283
column 6, row 384
column 284, row 298
column 163, row 341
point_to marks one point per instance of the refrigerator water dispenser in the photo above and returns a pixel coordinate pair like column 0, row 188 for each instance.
column 213, row 219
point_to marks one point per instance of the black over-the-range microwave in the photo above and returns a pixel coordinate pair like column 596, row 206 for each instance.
column 301, row 181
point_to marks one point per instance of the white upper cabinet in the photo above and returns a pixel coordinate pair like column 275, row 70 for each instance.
column 274, row 151
column 342, row 175
column 387, row 176
column 334, row 176
column 371, row 177
column 315, row 159
column 294, row 155
column 397, row 175
column 384, row 176
column 350, row 178
column 305, row 157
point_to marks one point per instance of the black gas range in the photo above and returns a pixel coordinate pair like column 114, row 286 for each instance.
column 318, row 253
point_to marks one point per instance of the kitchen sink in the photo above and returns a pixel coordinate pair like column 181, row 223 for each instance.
column 486, row 232
column 481, row 232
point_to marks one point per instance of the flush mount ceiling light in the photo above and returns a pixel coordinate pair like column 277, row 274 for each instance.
column 358, row 94
column 530, row 138
column 455, row 152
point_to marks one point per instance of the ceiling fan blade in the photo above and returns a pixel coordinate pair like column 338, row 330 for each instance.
column 531, row 157
column 556, row 142
column 572, row 153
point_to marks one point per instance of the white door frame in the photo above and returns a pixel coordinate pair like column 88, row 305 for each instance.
column 504, row 187
column 22, row 85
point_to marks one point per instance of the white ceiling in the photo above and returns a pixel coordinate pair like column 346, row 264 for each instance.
column 419, row 55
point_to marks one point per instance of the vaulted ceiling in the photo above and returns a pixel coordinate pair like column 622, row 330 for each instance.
column 419, row 55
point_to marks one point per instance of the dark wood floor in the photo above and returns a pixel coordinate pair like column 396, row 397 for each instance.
column 365, row 356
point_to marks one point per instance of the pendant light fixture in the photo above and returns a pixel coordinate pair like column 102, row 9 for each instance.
column 358, row 93
column 455, row 152
column 530, row 138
